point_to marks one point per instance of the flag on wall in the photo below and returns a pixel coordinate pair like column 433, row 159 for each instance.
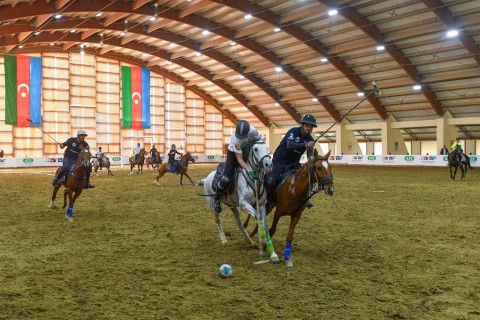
column 136, row 97
column 23, row 90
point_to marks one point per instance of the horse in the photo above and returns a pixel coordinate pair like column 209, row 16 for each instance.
column 454, row 162
column 74, row 183
column 158, row 160
column 293, row 194
column 139, row 162
column 182, row 170
column 248, row 194
column 105, row 164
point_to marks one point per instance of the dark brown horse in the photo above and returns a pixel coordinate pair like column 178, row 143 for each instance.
column 139, row 162
column 74, row 183
column 182, row 170
column 105, row 163
column 293, row 195
column 454, row 162
column 149, row 162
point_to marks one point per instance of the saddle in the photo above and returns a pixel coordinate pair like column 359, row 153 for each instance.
column 272, row 192
column 70, row 172
column 219, row 174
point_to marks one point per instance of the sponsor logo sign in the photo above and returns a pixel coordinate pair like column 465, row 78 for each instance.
column 473, row 159
column 388, row 158
column 211, row 157
column 27, row 160
column 372, row 158
column 195, row 157
column 357, row 158
column 428, row 158
column 60, row 160
column 445, row 158
column 3, row 161
column 50, row 160
column 116, row 158
column 409, row 158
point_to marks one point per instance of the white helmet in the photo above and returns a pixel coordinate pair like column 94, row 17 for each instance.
column 81, row 133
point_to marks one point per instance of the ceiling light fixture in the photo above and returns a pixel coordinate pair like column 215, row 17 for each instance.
column 380, row 47
column 198, row 54
column 52, row 43
column 233, row 43
column 169, row 62
column 360, row 94
column 452, row 33
column 315, row 99
column 248, row 16
column 332, row 12
column 277, row 29
column 277, row 104
column 99, row 14
column 173, row 45
column 58, row 16
column 417, row 87
column 323, row 59
column 205, row 32
column 20, row 46
column 241, row 76
column 37, row 33
column 278, row 69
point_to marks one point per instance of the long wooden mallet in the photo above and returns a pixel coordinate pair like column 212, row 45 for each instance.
column 44, row 132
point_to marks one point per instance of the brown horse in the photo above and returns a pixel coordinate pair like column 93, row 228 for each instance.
column 105, row 161
column 183, row 167
column 139, row 162
column 293, row 195
column 74, row 183
column 158, row 160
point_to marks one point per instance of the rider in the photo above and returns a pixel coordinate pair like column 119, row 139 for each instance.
column 100, row 156
column 153, row 153
column 137, row 150
column 290, row 150
column 171, row 159
column 74, row 146
column 240, row 139
column 457, row 147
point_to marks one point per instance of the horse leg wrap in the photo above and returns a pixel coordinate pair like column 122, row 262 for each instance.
column 261, row 231
column 70, row 211
column 269, row 244
column 288, row 249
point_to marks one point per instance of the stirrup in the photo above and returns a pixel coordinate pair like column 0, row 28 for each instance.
column 309, row 204
column 54, row 181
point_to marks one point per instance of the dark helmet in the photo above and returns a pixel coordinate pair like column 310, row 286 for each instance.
column 309, row 119
column 100, row 148
column 243, row 127
column 173, row 145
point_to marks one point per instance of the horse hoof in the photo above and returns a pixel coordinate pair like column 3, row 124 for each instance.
column 289, row 263
column 274, row 258
column 253, row 245
column 224, row 242
column 70, row 219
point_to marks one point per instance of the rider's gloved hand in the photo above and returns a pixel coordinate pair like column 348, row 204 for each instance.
column 253, row 174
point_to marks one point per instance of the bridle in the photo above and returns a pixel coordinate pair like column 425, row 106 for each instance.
column 254, row 162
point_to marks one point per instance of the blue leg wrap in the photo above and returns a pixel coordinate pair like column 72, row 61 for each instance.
column 288, row 248
column 70, row 211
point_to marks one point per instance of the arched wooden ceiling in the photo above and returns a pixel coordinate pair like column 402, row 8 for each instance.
column 227, row 51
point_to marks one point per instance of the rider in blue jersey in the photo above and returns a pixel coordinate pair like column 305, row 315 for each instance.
column 291, row 148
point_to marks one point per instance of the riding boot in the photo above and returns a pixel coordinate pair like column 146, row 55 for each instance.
column 58, row 176
column 217, row 207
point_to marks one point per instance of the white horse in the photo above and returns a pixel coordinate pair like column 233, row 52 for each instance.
column 248, row 194
column 105, row 164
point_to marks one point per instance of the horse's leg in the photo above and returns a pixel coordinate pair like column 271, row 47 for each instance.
column 218, row 221
column 191, row 181
column 181, row 178
column 287, row 254
column 65, row 193
column 161, row 173
column 455, row 173
column 463, row 172
column 95, row 170
column 276, row 218
column 54, row 194
column 236, row 215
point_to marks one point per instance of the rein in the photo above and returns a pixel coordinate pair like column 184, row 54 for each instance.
column 313, row 187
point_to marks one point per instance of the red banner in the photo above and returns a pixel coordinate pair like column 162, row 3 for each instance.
column 136, row 98
column 23, row 90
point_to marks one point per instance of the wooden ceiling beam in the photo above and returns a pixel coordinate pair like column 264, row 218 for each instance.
column 374, row 33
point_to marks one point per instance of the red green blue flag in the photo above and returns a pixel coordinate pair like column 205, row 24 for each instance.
column 23, row 90
column 136, row 97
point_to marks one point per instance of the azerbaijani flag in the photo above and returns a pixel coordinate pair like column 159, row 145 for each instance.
column 23, row 90
column 136, row 97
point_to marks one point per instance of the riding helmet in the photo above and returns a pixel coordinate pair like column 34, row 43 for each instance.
column 309, row 119
column 100, row 148
column 173, row 145
column 243, row 127
column 81, row 133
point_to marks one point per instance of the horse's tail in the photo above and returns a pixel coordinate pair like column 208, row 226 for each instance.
column 200, row 182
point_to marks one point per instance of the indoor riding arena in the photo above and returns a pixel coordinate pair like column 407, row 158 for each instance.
column 114, row 113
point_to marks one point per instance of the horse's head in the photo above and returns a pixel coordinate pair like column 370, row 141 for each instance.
column 322, row 172
column 259, row 156
column 189, row 157
column 84, row 157
column 143, row 152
